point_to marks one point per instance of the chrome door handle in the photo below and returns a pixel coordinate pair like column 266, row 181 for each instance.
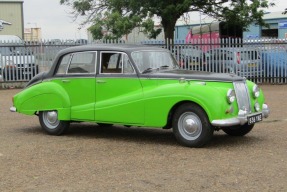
column 101, row 81
column 66, row 81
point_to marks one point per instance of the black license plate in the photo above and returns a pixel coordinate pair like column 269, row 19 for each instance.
column 254, row 118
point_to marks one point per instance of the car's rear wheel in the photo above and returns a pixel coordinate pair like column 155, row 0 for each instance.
column 191, row 126
column 50, row 123
column 238, row 130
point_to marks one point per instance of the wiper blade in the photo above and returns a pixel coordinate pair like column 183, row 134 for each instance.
column 148, row 70
column 164, row 66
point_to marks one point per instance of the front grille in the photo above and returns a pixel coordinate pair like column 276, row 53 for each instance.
column 242, row 96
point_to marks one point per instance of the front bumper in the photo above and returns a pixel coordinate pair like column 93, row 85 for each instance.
column 241, row 119
column 13, row 109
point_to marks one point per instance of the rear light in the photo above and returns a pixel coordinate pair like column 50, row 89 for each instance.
column 238, row 57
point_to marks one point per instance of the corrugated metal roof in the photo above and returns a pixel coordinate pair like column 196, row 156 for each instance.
column 275, row 15
column 206, row 20
column 11, row 1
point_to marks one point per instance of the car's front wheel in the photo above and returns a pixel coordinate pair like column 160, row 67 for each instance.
column 191, row 126
column 50, row 123
column 238, row 130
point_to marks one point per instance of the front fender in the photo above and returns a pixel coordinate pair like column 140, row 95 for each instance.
column 211, row 96
column 160, row 100
column 41, row 97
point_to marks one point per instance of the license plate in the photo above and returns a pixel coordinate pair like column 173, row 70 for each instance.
column 254, row 118
column 252, row 65
column 193, row 63
column 27, row 73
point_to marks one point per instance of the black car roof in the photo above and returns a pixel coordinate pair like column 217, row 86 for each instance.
column 128, row 48
column 109, row 47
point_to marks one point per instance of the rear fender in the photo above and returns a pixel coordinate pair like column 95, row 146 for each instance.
column 43, row 97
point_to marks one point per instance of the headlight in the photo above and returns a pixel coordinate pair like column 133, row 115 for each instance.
column 256, row 91
column 230, row 96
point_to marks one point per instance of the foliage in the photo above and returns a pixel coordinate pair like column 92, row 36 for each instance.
column 149, row 29
column 115, row 18
column 243, row 13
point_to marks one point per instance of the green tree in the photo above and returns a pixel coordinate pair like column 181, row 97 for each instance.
column 118, row 17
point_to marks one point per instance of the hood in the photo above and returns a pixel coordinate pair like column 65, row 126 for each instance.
column 194, row 75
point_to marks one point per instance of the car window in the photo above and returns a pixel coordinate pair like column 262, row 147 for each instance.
column 115, row 62
column 219, row 54
column 6, row 50
column 62, row 69
column 82, row 62
column 127, row 66
column 249, row 55
column 153, row 60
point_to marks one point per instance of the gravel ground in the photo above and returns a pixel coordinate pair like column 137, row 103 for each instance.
column 93, row 158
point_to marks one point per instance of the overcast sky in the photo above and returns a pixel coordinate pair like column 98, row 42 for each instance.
column 56, row 21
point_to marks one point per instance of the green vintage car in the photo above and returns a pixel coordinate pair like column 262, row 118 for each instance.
column 142, row 86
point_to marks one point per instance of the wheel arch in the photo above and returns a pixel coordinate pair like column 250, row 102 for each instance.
column 176, row 106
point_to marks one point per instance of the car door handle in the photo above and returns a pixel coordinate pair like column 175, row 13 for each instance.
column 101, row 81
column 66, row 81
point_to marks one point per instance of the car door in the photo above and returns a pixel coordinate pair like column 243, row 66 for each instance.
column 119, row 95
column 76, row 74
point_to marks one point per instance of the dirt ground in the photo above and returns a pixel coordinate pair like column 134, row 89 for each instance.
column 93, row 158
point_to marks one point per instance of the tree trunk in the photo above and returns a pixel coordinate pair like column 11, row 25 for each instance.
column 168, row 27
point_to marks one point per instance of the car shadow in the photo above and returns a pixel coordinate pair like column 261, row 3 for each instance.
column 143, row 135
column 127, row 134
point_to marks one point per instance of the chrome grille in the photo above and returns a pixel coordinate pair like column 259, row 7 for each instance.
column 242, row 96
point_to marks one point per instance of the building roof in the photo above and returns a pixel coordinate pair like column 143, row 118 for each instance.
column 207, row 20
column 11, row 1
column 275, row 15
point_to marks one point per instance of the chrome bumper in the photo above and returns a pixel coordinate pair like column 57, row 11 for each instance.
column 241, row 119
column 13, row 109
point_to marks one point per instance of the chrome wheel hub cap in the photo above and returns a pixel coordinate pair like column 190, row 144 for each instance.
column 190, row 126
column 50, row 119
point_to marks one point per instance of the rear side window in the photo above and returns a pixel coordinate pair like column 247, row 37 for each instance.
column 77, row 63
column 62, row 68
column 82, row 63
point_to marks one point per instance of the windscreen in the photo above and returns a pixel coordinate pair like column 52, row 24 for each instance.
column 153, row 60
